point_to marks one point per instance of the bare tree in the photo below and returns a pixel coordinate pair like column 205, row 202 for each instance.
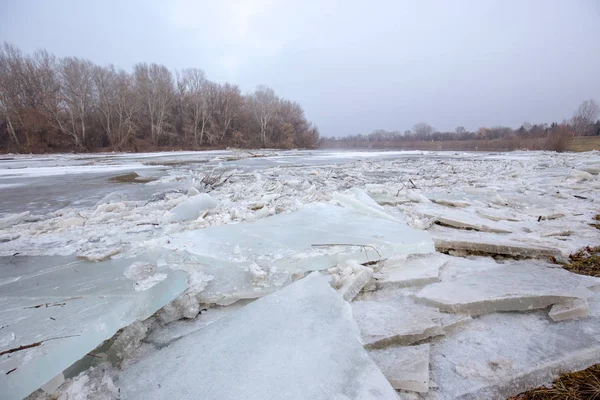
column 198, row 95
column 155, row 87
column 73, row 104
column 585, row 116
column 9, row 60
column 76, row 95
column 423, row 129
column 263, row 105
column 228, row 105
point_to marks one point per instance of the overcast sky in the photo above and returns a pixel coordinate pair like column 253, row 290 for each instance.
column 354, row 65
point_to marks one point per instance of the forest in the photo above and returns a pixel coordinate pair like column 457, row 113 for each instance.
column 553, row 136
column 51, row 104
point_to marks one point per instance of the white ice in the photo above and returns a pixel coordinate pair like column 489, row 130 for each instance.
column 314, row 238
column 298, row 343
column 70, row 308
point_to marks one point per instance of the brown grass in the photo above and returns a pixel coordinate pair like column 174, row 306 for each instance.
column 580, row 385
column 596, row 224
column 584, row 143
column 584, row 262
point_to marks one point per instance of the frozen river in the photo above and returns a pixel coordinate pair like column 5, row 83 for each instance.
column 200, row 235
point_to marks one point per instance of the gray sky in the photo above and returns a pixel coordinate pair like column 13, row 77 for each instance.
column 354, row 65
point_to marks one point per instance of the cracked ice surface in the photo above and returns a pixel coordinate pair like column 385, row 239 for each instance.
column 530, row 194
column 517, row 287
column 43, row 299
column 298, row 343
column 314, row 238
column 502, row 354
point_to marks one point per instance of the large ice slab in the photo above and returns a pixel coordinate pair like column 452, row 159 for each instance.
column 502, row 354
column 406, row 367
column 314, row 238
column 65, row 309
column 516, row 287
column 297, row 343
column 487, row 245
column 395, row 321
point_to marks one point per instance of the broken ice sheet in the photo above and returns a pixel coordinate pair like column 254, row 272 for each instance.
column 300, row 342
column 516, row 287
column 578, row 308
column 397, row 320
column 317, row 237
column 503, row 354
column 69, row 307
column 412, row 270
column 406, row 367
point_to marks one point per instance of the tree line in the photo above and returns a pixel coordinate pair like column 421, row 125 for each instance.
column 57, row 104
column 583, row 123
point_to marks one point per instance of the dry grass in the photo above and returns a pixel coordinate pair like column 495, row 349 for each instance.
column 584, row 262
column 585, row 143
column 580, row 385
column 597, row 223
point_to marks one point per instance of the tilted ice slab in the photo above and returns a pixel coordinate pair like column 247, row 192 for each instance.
column 484, row 243
column 461, row 219
column 65, row 309
column 502, row 354
column 516, row 287
column 406, row 367
column 300, row 342
column 414, row 270
column 317, row 237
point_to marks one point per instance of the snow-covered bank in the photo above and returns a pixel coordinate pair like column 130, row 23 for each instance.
column 247, row 232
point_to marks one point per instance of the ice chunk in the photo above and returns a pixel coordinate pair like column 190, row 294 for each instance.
column 140, row 270
column 314, row 238
column 13, row 219
column 396, row 321
column 460, row 219
column 578, row 308
column 176, row 330
column 407, row 368
column 69, row 307
column 515, row 287
column 414, row 270
column 128, row 341
column 363, row 203
column 191, row 208
column 502, row 354
column 350, row 277
column 496, row 247
column 114, row 197
column 97, row 255
column 298, row 343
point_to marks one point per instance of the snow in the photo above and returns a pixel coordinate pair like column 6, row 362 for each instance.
column 298, row 343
